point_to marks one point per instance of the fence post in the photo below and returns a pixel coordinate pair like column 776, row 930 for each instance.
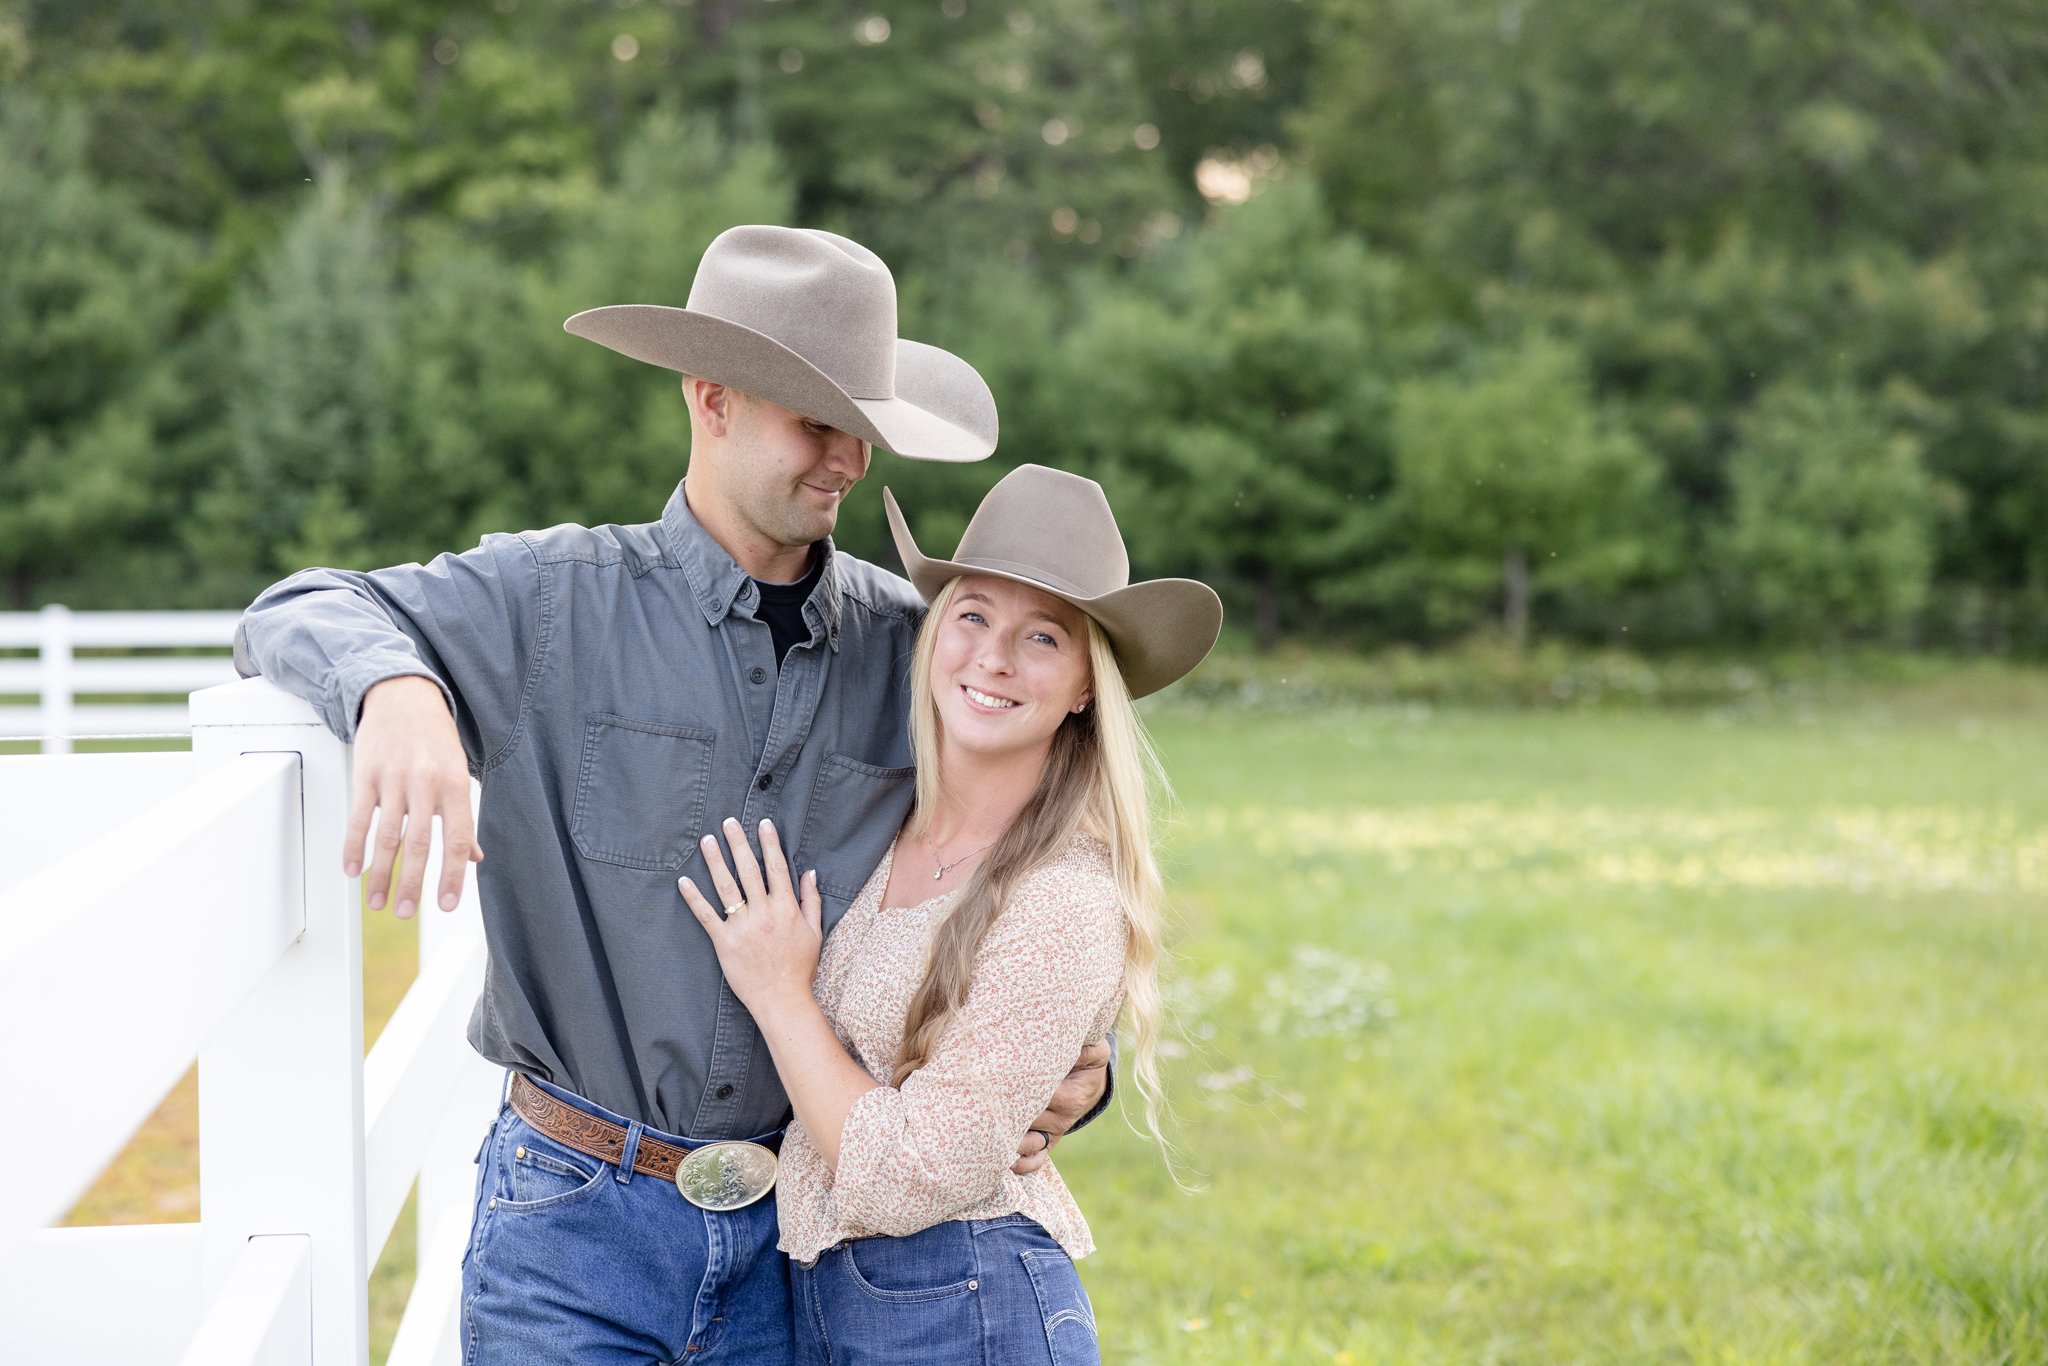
column 281, row 1083
column 54, row 654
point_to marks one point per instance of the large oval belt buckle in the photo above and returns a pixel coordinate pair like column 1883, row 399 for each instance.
column 723, row 1176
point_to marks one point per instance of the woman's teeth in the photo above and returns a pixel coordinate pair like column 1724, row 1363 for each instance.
column 987, row 700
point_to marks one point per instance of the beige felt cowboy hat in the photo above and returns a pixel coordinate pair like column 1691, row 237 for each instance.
column 807, row 319
column 1054, row 531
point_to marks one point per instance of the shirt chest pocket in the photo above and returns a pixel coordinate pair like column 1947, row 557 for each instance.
column 641, row 788
column 855, row 811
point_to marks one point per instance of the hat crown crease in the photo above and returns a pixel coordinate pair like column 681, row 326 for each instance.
column 804, row 290
column 1031, row 522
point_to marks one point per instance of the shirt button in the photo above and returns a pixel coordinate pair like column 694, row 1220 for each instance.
column 766, row 780
column 759, row 675
column 725, row 1091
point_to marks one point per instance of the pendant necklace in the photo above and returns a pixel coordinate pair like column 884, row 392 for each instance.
column 945, row 868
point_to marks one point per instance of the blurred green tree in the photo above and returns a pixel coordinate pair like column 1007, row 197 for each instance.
column 1234, row 399
column 1710, row 198
column 1511, row 477
column 90, row 299
column 1833, row 519
column 316, row 367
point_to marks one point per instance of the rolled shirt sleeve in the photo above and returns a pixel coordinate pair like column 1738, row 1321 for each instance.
column 472, row 623
column 1047, row 980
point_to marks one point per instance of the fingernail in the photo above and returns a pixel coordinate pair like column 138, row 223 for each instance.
column 405, row 910
column 710, row 840
column 448, row 900
column 732, row 822
column 352, row 868
column 376, row 901
column 686, row 884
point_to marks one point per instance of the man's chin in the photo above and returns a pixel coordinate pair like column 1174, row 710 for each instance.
column 808, row 530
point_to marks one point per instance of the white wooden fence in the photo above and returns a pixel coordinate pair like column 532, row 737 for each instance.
column 155, row 908
column 93, row 694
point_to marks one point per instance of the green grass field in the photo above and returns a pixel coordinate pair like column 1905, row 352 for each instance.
column 1596, row 1037
column 1634, row 1036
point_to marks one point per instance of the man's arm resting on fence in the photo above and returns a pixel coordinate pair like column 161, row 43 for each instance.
column 422, row 667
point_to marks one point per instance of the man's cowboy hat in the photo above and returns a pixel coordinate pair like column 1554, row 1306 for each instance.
column 1055, row 532
column 807, row 319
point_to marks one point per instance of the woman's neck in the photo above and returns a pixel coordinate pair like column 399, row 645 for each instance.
column 979, row 795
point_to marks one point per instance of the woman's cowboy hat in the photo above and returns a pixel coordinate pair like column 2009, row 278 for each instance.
column 1055, row 532
column 807, row 319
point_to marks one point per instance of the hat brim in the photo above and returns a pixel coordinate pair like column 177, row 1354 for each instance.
column 942, row 408
column 1160, row 628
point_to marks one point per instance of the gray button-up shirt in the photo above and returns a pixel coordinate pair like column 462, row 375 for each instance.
column 618, row 699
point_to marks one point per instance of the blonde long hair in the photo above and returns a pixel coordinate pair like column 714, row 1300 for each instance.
column 1100, row 776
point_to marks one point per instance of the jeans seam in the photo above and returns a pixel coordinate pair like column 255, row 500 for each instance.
column 705, row 1302
column 469, row 1321
column 817, row 1306
column 988, row 1347
column 1081, row 1312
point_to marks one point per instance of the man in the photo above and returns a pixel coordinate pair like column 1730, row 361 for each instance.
column 619, row 691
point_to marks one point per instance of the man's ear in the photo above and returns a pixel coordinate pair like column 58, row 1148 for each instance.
column 711, row 404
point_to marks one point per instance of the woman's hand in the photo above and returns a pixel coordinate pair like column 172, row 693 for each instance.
column 768, row 933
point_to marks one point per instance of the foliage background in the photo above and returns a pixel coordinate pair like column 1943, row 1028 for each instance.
column 1687, row 324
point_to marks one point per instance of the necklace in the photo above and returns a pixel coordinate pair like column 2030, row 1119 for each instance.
column 945, row 868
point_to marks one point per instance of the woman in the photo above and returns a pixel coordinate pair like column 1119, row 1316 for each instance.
column 1017, row 910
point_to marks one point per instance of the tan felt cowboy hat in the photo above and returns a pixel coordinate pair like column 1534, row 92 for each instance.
column 807, row 319
column 1054, row 531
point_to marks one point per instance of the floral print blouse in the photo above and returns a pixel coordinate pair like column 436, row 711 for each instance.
column 1047, row 980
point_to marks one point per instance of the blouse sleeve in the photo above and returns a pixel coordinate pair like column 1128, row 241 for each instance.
column 1044, row 979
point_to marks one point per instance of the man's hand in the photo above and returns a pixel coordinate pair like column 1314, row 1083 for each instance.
column 1076, row 1097
column 409, row 766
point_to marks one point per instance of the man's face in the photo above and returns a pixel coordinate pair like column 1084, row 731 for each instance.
column 784, row 474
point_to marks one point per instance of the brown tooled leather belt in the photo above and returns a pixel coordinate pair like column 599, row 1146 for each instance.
column 586, row 1133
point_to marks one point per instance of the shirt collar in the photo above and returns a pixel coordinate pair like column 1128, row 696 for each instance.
column 718, row 581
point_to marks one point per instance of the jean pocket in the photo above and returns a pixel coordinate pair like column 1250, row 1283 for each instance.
column 540, row 1174
column 1063, row 1305
column 936, row 1264
column 641, row 789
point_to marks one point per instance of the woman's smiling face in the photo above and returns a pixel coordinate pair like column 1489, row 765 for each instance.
column 1009, row 665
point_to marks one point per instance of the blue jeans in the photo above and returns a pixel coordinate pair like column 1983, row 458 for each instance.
column 573, row 1259
column 998, row 1292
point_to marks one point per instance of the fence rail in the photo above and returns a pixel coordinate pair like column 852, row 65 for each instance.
column 83, row 694
column 157, row 908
